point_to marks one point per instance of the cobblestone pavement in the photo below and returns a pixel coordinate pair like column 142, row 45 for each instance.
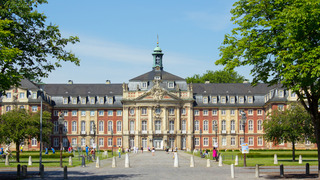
column 160, row 166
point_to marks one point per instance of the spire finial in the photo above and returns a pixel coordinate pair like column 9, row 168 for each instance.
column 157, row 40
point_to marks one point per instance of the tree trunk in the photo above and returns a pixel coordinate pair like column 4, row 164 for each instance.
column 17, row 152
column 293, row 151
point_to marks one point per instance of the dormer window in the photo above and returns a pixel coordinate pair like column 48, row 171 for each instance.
column 250, row 99
column 232, row 100
column 144, row 85
column 214, row 99
column 92, row 100
column 170, row 84
column 34, row 95
column 8, row 95
column 83, row 101
column 157, row 77
column 65, row 100
column 110, row 100
column 241, row 99
column 74, row 100
column 223, row 99
column 101, row 101
column 281, row 93
column 21, row 95
column 205, row 100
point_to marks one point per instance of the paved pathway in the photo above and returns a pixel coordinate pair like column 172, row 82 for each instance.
column 146, row 166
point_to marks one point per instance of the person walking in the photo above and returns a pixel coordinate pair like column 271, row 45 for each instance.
column 141, row 149
column 153, row 150
column 46, row 151
column 119, row 151
column 53, row 151
column 214, row 154
column 87, row 150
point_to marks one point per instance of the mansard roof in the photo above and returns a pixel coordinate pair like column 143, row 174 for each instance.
column 163, row 74
column 83, row 89
column 27, row 84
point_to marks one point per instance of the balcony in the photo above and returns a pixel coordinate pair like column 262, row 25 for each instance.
column 223, row 131
column 183, row 131
column 232, row 131
column 83, row 133
column 144, row 132
column 92, row 133
column 131, row 132
column 158, row 131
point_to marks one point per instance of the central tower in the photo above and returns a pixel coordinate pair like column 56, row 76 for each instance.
column 157, row 58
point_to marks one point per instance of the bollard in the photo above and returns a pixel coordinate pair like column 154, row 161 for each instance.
column 70, row 161
column 307, row 169
column 300, row 159
column 208, row 163
column 176, row 160
column 220, row 161
column 232, row 171
column 257, row 171
column 236, row 161
column 114, row 164
column 126, row 161
column 65, row 172
column 98, row 162
column 275, row 159
column 30, row 161
column 83, row 162
column 7, row 163
column 281, row 170
column 192, row 161
column 24, row 171
column 41, row 171
column 18, row 171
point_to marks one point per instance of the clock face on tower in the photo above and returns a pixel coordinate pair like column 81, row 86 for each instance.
column 157, row 60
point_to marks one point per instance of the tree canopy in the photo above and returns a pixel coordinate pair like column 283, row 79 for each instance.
column 281, row 40
column 291, row 125
column 19, row 125
column 220, row 76
column 28, row 46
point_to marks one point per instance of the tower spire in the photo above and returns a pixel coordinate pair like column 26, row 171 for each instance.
column 157, row 40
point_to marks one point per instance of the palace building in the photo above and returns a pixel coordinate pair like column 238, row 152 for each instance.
column 156, row 109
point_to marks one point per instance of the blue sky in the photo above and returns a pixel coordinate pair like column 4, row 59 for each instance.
column 118, row 37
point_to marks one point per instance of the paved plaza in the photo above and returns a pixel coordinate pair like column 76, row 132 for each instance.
column 161, row 166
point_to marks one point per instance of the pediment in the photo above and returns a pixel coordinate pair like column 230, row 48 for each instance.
column 157, row 93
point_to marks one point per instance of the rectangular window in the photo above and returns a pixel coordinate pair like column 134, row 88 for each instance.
column 144, row 126
column 170, row 84
column 110, row 100
column 119, row 142
column 34, row 108
column 233, row 141
column 101, row 100
column 223, row 99
column 259, row 112
column 250, row 112
column 241, row 140
column 65, row 126
column 110, row 112
column 56, row 142
column 281, row 94
column 119, row 112
column 74, row 141
column 196, row 141
column 34, row 142
column 109, row 142
column 205, row 112
column 224, row 141
column 143, row 111
column 241, row 99
column 83, row 113
column 56, row 113
column 232, row 100
column 250, row 125
column 232, row 112
column 55, row 126
column 21, row 95
column 250, row 99
column 144, row 85
column 196, row 125
column 74, row 112
column 250, row 141
column 280, row 107
column 119, row 126
column 101, row 126
column 183, row 111
column 92, row 100
column 8, row 95
column 65, row 142
column 91, row 142
column 65, row 100
column 65, row 112
column 101, row 142
column 158, row 110
column 259, row 125
column 206, row 141
column 74, row 100
column 83, row 100
column 223, row 112
column 110, row 126
column 171, row 111
column 83, row 141
column 196, row 112
column 214, row 142
column 214, row 112
column 91, row 113
column 293, row 94
column 101, row 113
column 34, row 95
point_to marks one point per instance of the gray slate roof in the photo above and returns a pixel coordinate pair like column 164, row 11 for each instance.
column 151, row 74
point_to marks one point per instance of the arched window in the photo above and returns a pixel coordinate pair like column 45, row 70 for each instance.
column 250, row 125
column 214, row 125
column 232, row 125
column 101, row 125
column 196, row 125
column 259, row 125
column 83, row 126
column 223, row 125
column 119, row 126
column 110, row 126
column 74, row 126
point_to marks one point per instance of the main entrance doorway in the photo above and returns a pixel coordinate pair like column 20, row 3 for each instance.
column 158, row 143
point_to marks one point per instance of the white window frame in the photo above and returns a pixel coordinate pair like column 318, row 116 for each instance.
column 65, row 126
column 205, row 100
column 110, row 142
column 110, row 100
column 196, row 112
column 205, row 125
column 232, row 125
column 74, row 126
column 83, row 126
column 34, row 95
column 251, row 141
column 223, row 112
column 21, row 95
column 171, row 85
column 83, row 113
column 34, row 142
column 223, row 125
column 34, row 108
column 171, row 111
column 55, row 142
column 119, row 126
column 260, row 141
column 196, row 142
column 250, row 125
column 241, row 99
column 205, row 112
column 83, row 100
column 74, row 100
column 232, row 100
column 110, row 126
column 214, row 99
column 223, row 141
column 65, row 112
column 92, row 113
column 183, row 111
column 73, row 141
column 196, row 125
column 205, row 141
column 119, row 142
column 101, row 126
column 119, row 112
column 101, row 100
column 144, row 125
column 143, row 111
column 101, row 112
column 232, row 112
column 131, row 111
column 65, row 100
column 74, row 112
column 250, row 111
column 8, row 95
column 144, row 85
column 110, row 112
column 259, row 125
column 223, row 99
column 259, row 111
column 233, row 141
column 101, row 142
column 281, row 93
column 83, row 141
column 214, row 112
column 92, row 100
column 250, row 99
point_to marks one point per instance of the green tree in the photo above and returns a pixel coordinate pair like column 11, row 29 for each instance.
column 19, row 125
column 291, row 125
column 27, row 43
column 281, row 40
column 220, row 76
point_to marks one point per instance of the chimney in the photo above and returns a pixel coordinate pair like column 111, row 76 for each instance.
column 246, row 81
column 207, row 82
column 70, row 82
column 108, row 82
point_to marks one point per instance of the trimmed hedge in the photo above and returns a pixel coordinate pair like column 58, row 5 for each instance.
column 271, row 155
column 48, row 156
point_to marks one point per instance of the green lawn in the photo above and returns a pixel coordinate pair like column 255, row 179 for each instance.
column 49, row 160
column 265, row 158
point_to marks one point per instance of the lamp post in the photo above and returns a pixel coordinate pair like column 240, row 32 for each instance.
column 200, row 140
column 216, row 130
column 60, row 121
column 94, row 133
column 40, row 159
column 112, row 140
column 244, row 119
